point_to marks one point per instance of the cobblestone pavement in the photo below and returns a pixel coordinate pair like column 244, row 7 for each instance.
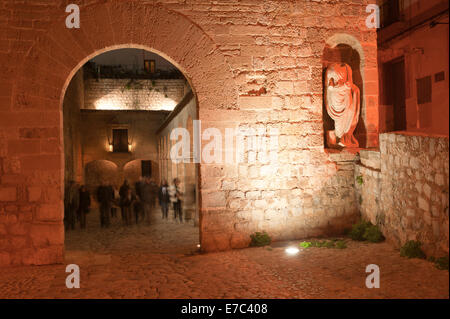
column 161, row 261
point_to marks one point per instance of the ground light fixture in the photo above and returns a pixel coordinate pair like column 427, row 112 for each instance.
column 291, row 250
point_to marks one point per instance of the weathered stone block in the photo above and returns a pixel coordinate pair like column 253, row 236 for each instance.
column 51, row 212
column 47, row 234
column 8, row 194
column 34, row 194
column 215, row 199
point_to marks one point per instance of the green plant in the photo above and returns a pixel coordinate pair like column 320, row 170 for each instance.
column 260, row 239
column 340, row 244
column 359, row 180
column 411, row 249
column 366, row 231
column 132, row 84
column 334, row 243
column 305, row 244
column 358, row 230
column 316, row 243
column 441, row 263
column 328, row 244
column 373, row 234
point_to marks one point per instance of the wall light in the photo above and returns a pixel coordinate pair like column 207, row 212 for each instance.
column 110, row 147
column 130, row 147
column 292, row 250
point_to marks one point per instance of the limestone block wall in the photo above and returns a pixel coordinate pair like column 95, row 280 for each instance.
column 250, row 63
column 124, row 94
column 368, row 185
column 407, row 196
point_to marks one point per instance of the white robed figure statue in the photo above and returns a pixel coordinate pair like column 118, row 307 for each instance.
column 342, row 104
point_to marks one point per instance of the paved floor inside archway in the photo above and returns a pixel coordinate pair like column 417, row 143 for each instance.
column 157, row 261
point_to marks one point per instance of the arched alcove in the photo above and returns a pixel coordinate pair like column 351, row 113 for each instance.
column 344, row 48
column 98, row 172
column 132, row 170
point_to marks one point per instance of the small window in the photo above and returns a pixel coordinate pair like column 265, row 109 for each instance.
column 120, row 140
column 390, row 12
column 424, row 90
column 438, row 77
column 146, row 168
column 149, row 66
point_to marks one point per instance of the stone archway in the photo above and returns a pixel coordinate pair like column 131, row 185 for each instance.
column 56, row 56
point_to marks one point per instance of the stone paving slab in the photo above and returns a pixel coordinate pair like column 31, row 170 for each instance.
column 160, row 261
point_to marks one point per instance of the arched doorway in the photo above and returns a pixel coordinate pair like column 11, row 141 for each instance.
column 113, row 110
column 55, row 57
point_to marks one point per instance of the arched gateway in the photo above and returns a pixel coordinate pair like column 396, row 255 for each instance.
column 50, row 64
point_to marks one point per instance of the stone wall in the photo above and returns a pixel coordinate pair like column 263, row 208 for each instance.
column 73, row 102
column 96, row 130
column 127, row 94
column 313, row 195
column 368, row 185
column 187, row 173
column 250, row 63
column 405, row 189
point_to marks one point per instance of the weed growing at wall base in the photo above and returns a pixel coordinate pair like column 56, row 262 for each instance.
column 411, row 249
column 441, row 263
column 363, row 231
column 334, row 243
column 259, row 239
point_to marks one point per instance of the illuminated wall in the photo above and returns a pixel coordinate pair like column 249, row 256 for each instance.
column 251, row 64
column 127, row 94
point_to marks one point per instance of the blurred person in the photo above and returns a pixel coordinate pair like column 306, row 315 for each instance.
column 85, row 205
column 127, row 204
column 122, row 193
column 176, row 199
column 104, row 197
column 164, row 198
column 147, row 198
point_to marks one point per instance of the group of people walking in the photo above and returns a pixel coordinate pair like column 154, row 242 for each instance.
column 134, row 204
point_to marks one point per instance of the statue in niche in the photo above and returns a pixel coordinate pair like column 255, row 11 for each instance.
column 342, row 104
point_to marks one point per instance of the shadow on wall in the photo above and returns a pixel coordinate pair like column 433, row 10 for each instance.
column 346, row 54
